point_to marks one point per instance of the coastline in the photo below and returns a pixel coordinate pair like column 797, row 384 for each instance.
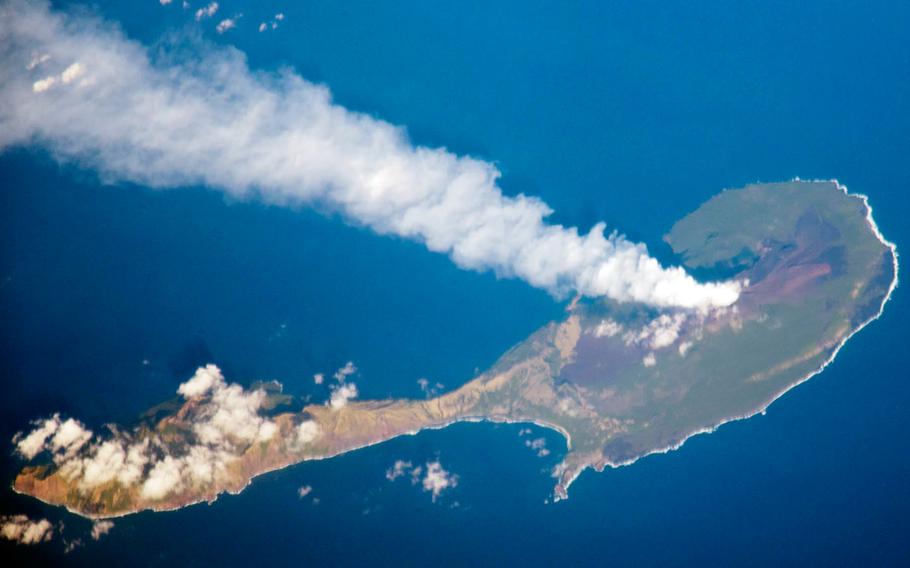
column 466, row 419
column 566, row 475
column 600, row 466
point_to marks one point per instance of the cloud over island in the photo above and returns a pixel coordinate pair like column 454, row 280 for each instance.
column 224, row 420
column 189, row 112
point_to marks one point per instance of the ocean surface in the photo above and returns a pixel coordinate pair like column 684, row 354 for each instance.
column 629, row 112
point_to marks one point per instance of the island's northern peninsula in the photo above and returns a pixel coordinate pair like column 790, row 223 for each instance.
column 619, row 381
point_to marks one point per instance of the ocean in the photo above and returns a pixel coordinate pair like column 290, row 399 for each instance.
column 629, row 112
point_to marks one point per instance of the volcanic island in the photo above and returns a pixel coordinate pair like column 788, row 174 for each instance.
column 618, row 380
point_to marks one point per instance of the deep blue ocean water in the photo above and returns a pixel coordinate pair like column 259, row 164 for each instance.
column 629, row 112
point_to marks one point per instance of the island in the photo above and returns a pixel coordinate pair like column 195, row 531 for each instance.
column 618, row 380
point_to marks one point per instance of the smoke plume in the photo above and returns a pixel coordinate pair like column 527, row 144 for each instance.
column 189, row 112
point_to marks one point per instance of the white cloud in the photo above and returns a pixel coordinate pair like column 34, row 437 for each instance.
column 438, row 479
column 649, row 360
column 34, row 443
column 304, row 490
column 231, row 416
column 164, row 478
column 101, row 528
column 344, row 391
column 666, row 333
column 345, row 372
column 206, row 11
column 161, row 119
column 226, row 24
column 22, row 530
column 42, row 85
column 273, row 24
column 203, row 465
column 70, row 436
column 318, row 378
column 201, row 382
column 435, row 479
column 109, row 460
column 165, row 2
column 307, row 431
column 37, row 60
column 69, row 75
column 660, row 332
column 399, row 468
column 341, row 395
column 62, row 439
column 72, row 73
column 224, row 419
column 607, row 328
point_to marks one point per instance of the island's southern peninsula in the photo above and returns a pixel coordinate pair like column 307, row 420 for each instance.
column 619, row 381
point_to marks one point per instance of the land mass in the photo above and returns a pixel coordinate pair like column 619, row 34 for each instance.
column 619, row 381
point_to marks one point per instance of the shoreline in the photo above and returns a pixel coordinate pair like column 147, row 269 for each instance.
column 560, row 491
column 870, row 221
column 466, row 419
